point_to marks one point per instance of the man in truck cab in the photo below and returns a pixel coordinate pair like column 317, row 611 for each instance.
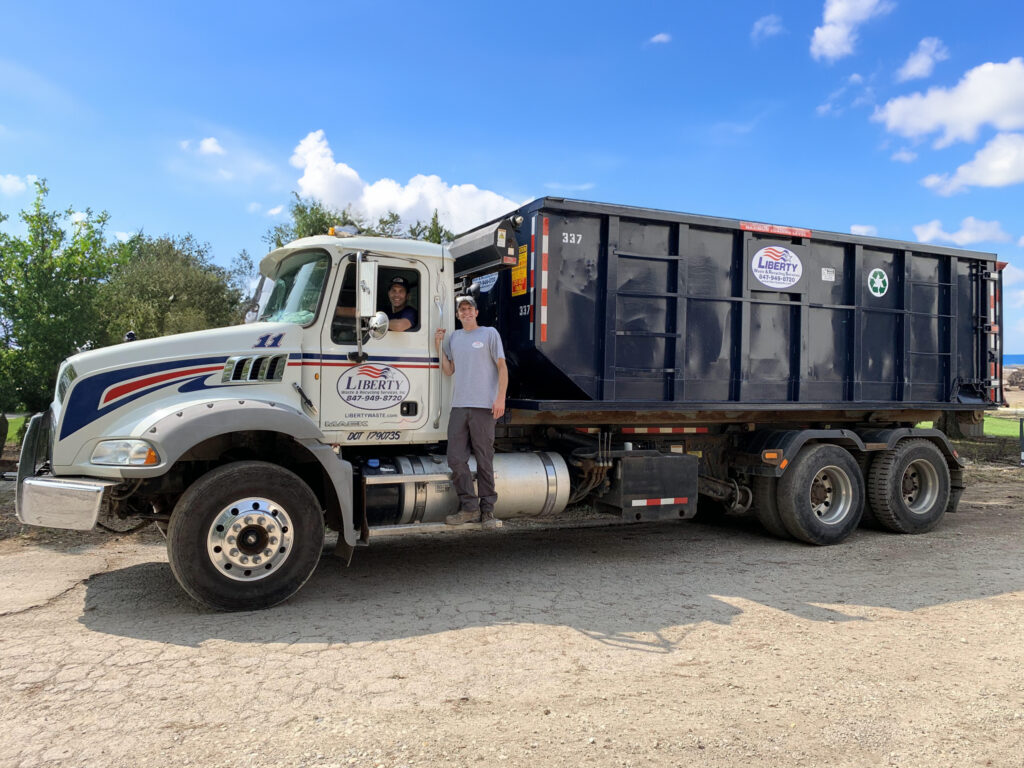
column 401, row 317
column 474, row 355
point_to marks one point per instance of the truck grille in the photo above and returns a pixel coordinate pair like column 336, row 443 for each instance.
column 254, row 368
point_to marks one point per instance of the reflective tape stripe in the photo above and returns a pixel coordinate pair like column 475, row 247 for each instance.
column 660, row 502
column 544, row 279
column 664, row 430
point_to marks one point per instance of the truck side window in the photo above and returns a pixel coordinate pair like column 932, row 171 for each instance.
column 343, row 327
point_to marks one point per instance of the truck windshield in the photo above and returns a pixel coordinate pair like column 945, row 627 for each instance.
column 297, row 289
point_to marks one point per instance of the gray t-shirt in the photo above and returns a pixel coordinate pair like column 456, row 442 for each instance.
column 476, row 375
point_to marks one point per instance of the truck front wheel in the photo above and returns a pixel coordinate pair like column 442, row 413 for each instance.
column 908, row 487
column 821, row 496
column 245, row 536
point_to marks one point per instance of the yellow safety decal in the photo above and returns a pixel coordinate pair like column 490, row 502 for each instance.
column 519, row 281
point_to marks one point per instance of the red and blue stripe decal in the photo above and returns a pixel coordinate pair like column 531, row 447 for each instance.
column 94, row 397
column 342, row 361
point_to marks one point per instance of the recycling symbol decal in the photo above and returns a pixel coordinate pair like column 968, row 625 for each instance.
column 878, row 283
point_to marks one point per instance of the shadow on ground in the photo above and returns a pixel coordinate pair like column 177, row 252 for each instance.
column 621, row 585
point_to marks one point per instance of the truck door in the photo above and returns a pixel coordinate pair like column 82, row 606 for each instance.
column 382, row 397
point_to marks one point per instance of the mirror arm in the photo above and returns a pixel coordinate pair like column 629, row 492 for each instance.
column 358, row 356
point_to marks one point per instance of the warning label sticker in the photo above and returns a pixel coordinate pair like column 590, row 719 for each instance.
column 519, row 278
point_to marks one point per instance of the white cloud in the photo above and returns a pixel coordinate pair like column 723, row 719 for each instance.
column 254, row 208
column 1020, row 243
column 460, row 207
column 864, row 229
column 78, row 217
column 922, row 62
column 1012, row 275
column 275, row 211
column 989, row 94
column 855, row 82
column 123, row 236
column 11, row 185
column 210, row 146
column 207, row 161
column 767, row 26
column 836, row 37
column 972, row 231
column 1000, row 163
column 904, row 156
column 661, row 37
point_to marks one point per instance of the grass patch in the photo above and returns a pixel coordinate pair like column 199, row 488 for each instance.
column 13, row 427
column 1002, row 427
column 995, row 426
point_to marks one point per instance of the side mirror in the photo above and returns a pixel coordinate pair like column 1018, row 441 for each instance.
column 366, row 290
column 378, row 325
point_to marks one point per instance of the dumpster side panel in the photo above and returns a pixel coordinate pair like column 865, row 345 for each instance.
column 618, row 304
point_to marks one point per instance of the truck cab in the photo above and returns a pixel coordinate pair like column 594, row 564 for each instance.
column 364, row 384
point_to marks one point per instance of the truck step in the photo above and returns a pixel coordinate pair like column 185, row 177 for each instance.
column 413, row 528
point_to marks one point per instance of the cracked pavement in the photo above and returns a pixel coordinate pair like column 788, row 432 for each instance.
column 636, row 645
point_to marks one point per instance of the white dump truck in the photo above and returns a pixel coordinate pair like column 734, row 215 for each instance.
column 656, row 359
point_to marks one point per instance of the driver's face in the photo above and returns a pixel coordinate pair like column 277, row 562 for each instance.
column 397, row 296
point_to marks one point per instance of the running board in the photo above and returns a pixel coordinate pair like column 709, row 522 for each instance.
column 413, row 528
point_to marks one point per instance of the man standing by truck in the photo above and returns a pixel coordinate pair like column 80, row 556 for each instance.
column 478, row 399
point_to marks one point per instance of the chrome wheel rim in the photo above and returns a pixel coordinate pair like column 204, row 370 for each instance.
column 831, row 495
column 250, row 539
column 920, row 486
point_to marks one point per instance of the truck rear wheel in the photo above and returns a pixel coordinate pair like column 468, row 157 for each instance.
column 864, row 462
column 821, row 496
column 908, row 487
column 245, row 536
column 766, row 506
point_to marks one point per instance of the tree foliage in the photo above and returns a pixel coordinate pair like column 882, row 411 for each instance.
column 165, row 285
column 432, row 232
column 311, row 217
column 50, row 279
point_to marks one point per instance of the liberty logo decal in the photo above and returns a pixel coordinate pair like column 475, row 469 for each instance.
column 878, row 283
column 777, row 267
column 373, row 387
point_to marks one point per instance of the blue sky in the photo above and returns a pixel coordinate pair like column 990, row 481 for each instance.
column 898, row 117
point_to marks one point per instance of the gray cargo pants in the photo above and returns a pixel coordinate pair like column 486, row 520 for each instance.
column 471, row 432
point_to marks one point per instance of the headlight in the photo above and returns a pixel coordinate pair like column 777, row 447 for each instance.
column 134, row 453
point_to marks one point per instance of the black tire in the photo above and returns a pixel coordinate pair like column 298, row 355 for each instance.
column 821, row 496
column 864, row 460
column 766, row 506
column 908, row 487
column 271, row 527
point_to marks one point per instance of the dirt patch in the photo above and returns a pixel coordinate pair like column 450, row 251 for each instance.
column 640, row 645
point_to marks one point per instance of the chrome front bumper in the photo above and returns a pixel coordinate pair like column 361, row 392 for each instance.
column 58, row 502
column 53, row 502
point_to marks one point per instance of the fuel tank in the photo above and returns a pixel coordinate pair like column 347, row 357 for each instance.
column 528, row 485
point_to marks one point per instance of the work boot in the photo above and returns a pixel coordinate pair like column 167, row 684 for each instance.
column 489, row 520
column 465, row 516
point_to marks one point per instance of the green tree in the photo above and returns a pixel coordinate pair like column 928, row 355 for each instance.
column 310, row 217
column 50, row 278
column 432, row 232
column 164, row 285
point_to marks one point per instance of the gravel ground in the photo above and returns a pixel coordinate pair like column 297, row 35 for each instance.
column 669, row 644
